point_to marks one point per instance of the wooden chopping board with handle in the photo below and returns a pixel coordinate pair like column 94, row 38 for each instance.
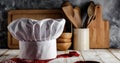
column 99, row 30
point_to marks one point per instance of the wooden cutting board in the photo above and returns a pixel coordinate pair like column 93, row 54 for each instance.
column 99, row 30
column 32, row 14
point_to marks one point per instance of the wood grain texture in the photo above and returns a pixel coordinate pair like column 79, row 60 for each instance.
column 101, row 55
column 11, row 53
column 116, row 53
column 99, row 30
column 106, row 56
column 89, row 55
column 2, row 52
column 32, row 14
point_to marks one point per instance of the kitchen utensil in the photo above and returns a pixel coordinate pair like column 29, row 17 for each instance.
column 71, row 15
column 81, row 39
column 84, row 21
column 68, row 11
column 91, row 11
column 77, row 16
column 99, row 30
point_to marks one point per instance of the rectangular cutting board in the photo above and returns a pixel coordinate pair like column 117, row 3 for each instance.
column 99, row 30
column 33, row 14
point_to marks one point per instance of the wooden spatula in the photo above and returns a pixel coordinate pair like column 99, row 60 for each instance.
column 68, row 11
column 77, row 16
column 69, row 14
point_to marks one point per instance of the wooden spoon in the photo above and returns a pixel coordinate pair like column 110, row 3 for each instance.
column 91, row 11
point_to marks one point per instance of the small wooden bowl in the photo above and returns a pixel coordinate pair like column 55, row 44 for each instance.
column 66, row 35
column 63, row 40
column 63, row 46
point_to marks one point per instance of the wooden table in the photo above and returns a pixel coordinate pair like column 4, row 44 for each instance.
column 101, row 55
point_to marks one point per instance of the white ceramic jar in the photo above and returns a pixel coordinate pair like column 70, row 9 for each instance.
column 81, row 39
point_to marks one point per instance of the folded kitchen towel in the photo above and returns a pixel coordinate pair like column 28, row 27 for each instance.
column 37, row 38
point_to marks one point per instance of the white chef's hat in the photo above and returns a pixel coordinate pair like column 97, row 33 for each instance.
column 37, row 38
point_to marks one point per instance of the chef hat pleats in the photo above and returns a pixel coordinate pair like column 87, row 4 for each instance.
column 37, row 38
column 32, row 30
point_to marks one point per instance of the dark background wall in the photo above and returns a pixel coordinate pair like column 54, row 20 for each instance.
column 111, row 12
